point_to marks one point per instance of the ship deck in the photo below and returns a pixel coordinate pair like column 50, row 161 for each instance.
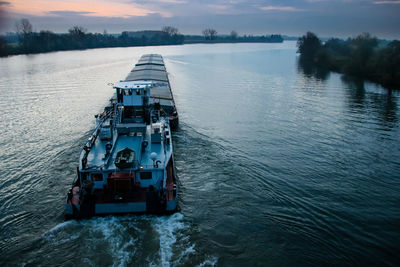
column 96, row 156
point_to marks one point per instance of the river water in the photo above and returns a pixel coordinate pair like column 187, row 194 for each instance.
column 278, row 163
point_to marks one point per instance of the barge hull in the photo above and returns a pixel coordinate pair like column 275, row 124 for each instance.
column 118, row 208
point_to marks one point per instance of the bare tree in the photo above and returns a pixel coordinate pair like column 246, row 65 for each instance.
column 171, row 31
column 24, row 31
column 210, row 34
column 23, row 27
column 77, row 31
column 213, row 34
column 234, row 35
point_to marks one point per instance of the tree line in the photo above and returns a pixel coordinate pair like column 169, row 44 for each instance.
column 211, row 36
column 364, row 56
column 78, row 38
column 30, row 42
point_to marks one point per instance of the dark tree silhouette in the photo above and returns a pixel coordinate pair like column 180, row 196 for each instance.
column 24, row 30
column 360, row 57
column 78, row 38
column 172, row 35
column 308, row 45
column 3, row 47
column 233, row 35
column 23, row 27
column 362, row 49
column 171, row 31
column 77, row 31
column 210, row 34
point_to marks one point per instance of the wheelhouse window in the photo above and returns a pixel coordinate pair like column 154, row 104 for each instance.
column 146, row 175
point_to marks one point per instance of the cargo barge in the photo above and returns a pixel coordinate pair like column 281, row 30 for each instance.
column 127, row 164
column 151, row 67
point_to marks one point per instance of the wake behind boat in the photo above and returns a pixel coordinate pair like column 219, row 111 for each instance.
column 127, row 165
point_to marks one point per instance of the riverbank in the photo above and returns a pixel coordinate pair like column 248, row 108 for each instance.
column 78, row 39
column 364, row 57
column 199, row 39
column 44, row 42
column 28, row 42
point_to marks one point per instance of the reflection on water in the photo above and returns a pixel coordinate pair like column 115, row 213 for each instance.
column 382, row 104
column 356, row 90
column 279, row 163
column 310, row 70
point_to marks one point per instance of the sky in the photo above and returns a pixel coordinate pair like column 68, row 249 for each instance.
column 327, row 18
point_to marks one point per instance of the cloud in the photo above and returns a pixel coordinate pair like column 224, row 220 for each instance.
column 387, row 2
column 4, row 3
column 281, row 8
column 159, row 2
column 177, row 2
column 220, row 7
column 69, row 13
column 106, row 8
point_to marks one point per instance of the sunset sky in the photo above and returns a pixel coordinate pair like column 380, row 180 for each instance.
column 340, row 18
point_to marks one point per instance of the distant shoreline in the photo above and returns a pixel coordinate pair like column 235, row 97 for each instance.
column 29, row 42
column 185, row 43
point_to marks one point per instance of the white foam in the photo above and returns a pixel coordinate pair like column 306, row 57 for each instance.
column 209, row 262
column 56, row 235
column 184, row 255
column 168, row 228
column 88, row 262
column 113, row 232
column 112, row 235
column 109, row 230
